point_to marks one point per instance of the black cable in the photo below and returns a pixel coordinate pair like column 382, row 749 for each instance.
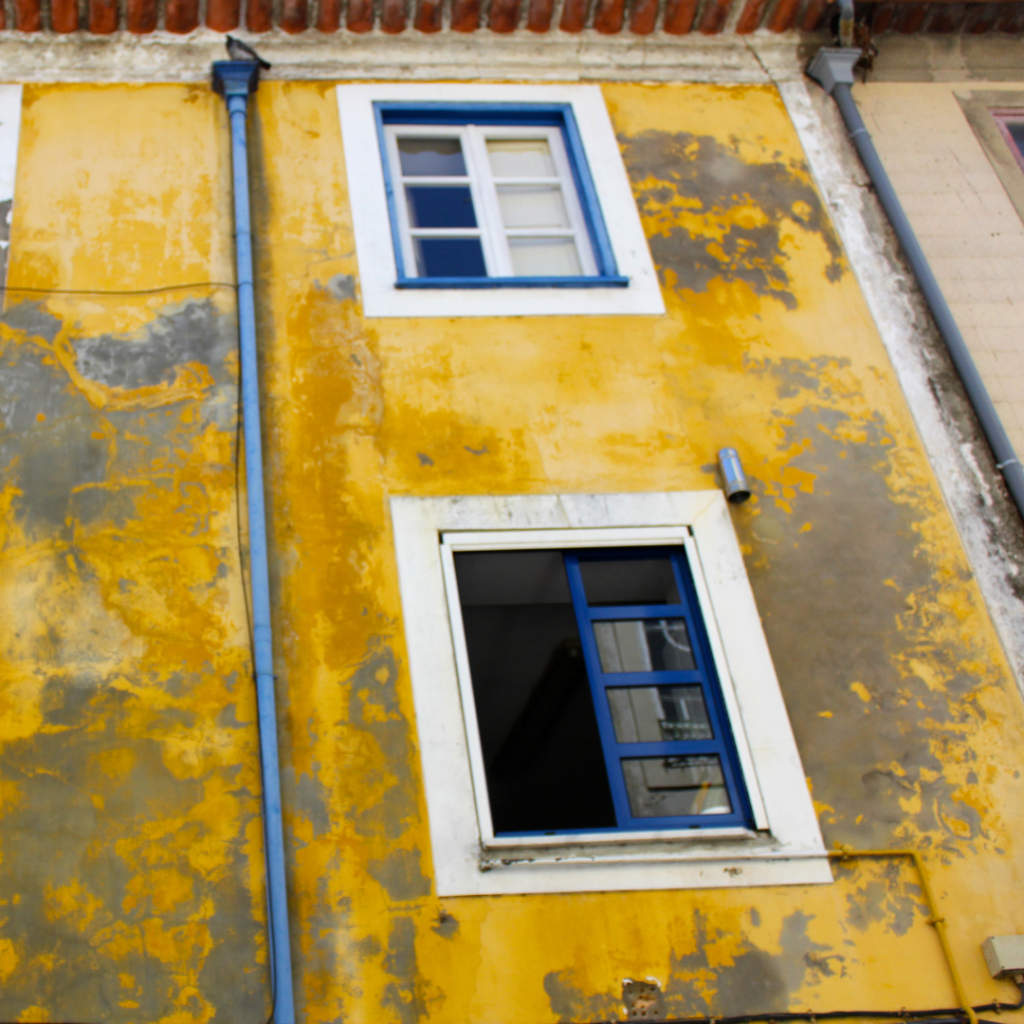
column 129, row 291
column 944, row 1016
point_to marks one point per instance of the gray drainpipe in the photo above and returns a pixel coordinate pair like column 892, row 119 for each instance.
column 832, row 69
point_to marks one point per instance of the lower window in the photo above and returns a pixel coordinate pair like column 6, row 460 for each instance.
column 595, row 701
column 596, row 697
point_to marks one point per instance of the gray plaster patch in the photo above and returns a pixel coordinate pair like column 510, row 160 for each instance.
column 446, row 925
column 311, row 802
column 32, row 317
column 895, row 899
column 77, row 811
column 342, row 287
column 863, row 551
column 699, row 174
column 400, row 874
column 60, row 452
column 191, row 333
column 5, row 237
column 755, row 982
column 64, row 831
column 402, row 995
column 394, row 807
column 570, row 1003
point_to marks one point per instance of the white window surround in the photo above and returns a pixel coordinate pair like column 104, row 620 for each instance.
column 371, row 221
column 785, row 849
column 10, row 125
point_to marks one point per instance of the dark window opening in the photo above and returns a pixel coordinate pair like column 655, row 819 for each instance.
column 541, row 745
column 597, row 700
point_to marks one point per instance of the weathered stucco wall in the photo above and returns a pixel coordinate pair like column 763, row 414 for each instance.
column 131, row 879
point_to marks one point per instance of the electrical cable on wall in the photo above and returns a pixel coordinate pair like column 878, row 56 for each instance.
column 120, row 291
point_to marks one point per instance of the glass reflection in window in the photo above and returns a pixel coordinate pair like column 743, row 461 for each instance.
column 644, row 645
column 659, row 714
column 668, row 787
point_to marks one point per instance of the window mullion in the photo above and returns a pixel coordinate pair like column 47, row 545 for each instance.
column 499, row 260
column 401, row 204
column 588, row 259
column 713, row 696
column 602, row 712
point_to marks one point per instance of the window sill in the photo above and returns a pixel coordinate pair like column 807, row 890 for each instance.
column 512, row 282
column 618, row 837
column 730, row 857
column 713, row 846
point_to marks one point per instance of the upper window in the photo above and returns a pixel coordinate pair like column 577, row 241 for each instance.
column 491, row 200
column 492, row 195
column 594, row 697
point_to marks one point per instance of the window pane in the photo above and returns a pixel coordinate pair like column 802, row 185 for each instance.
column 644, row 645
column 1016, row 130
column 664, row 787
column 542, row 751
column 521, row 158
column 658, row 714
column 609, row 581
column 532, row 206
column 544, row 257
column 431, row 157
column 449, row 257
column 446, row 206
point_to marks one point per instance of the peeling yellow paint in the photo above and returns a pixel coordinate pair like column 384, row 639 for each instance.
column 126, row 640
column 861, row 690
column 8, row 959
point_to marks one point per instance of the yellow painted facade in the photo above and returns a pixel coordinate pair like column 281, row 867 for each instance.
column 131, row 877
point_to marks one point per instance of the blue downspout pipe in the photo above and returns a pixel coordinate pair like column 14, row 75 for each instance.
column 236, row 81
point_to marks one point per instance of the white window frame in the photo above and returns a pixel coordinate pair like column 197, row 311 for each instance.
column 10, row 127
column 483, row 187
column 785, row 847
column 372, row 226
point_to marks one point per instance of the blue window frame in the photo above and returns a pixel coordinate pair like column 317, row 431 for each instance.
column 597, row 699
column 492, row 195
column 676, row 766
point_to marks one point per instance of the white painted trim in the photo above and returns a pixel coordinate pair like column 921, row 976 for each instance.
column 747, row 767
column 371, row 220
column 10, row 130
column 520, row 56
column 788, row 851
